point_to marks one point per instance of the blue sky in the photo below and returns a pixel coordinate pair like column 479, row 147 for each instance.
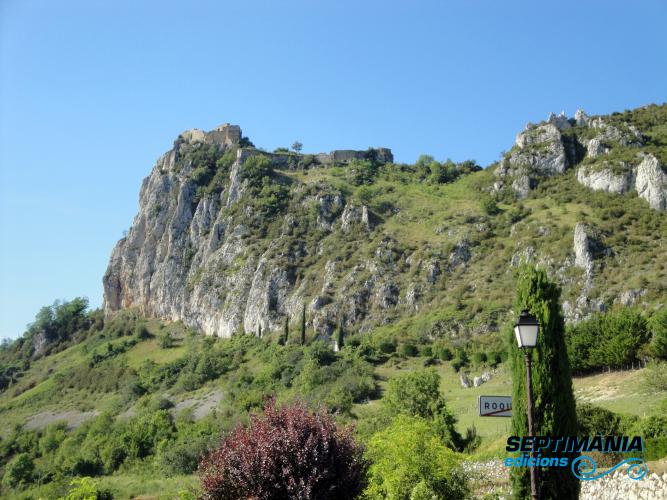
column 91, row 93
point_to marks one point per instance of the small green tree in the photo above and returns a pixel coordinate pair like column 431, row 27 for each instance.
column 166, row 340
column 417, row 394
column 409, row 461
column 282, row 340
column 340, row 336
column 658, row 326
column 297, row 146
column 303, row 325
column 19, row 471
column 554, row 406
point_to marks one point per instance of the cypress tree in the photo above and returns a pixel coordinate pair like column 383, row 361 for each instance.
column 283, row 338
column 303, row 325
column 340, row 334
column 554, row 406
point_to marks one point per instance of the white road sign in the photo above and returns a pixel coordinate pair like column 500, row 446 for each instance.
column 495, row 406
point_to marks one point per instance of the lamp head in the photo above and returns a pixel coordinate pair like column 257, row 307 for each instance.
column 526, row 330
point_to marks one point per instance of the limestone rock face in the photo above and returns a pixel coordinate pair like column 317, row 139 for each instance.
column 647, row 179
column 198, row 251
column 651, row 183
column 606, row 179
column 540, row 151
column 582, row 249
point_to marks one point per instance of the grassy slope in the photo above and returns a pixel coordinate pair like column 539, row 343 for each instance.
column 617, row 391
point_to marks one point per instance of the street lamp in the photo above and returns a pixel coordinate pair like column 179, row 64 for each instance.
column 526, row 331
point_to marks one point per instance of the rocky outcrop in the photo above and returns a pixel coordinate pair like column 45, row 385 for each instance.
column 354, row 216
column 647, row 178
column 605, row 179
column 197, row 253
column 540, row 151
column 651, row 183
column 583, row 256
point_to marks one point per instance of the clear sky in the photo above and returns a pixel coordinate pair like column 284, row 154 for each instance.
column 92, row 92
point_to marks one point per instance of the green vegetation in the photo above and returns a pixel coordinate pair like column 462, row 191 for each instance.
column 149, row 429
column 409, row 460
column 608, row 340
column 554, row 404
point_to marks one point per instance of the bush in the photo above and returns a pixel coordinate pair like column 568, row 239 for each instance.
column 19, row 471
column 611, row 339
column 86, row 488
column 289, row 452
column 595, row 420
column 488, row 206
column 409, row 460
column 658, row 327
column 655, row 377
column 166, row 341
column 387, row 347
column 479, row 358
column 409, row 350
column 141, row 332
column 417, row 394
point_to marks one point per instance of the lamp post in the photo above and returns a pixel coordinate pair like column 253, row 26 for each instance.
column 526, row 331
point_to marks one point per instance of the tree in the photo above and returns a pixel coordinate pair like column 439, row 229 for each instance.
column 417, row 394
column 288, row 452
column 554, row 406
column 340, row 336
column 19, row 471
column 166, row 340
column 409, row 460
column 297, row 146
column 283, row 339
column 303, row 325
column 658, row 327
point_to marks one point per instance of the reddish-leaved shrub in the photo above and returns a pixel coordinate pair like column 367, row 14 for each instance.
column 288, row 452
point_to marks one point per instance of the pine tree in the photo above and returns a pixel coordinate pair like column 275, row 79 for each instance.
column 283, row 338
column 303, row 325
column 554, row 406
column 340, row 334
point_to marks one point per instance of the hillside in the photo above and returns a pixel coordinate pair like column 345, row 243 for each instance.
column 372, row 270
column 229, row 238
column 102, row 406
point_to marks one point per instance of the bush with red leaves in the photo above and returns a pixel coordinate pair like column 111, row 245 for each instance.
column 289, row 452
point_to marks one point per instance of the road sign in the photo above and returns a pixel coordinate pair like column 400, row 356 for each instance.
column 495, row 406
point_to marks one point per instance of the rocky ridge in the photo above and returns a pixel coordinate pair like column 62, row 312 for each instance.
column 231, row 238
column 587, row 144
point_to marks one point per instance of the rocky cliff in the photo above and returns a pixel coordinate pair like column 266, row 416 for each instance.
column 230, row 238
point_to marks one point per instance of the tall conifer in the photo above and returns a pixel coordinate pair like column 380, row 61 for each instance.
column 283, row 338
column 303, row 325
column 554, row 406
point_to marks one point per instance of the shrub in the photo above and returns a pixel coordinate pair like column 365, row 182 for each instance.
column 611, row 339
column 86, row 488
column 289, row 452
column 417, row 394
column 141, row 332
column 479, row 357
column 409, row 460
column 488, row 206
column 166, row 340
column 658, row 327
column 19, row 471
column 387, row 347
column 595, row 420
column 655, row 377
column 409, row 350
